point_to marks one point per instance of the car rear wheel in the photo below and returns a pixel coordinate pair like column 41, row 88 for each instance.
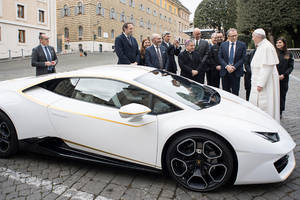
column 8, row 137
column 199, row 161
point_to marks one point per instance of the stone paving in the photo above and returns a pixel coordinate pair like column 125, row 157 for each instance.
column 32, row 176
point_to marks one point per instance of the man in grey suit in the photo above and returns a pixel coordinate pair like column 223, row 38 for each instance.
column 43, row 57
column 202, row 47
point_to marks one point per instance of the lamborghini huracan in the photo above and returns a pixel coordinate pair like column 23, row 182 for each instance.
column 146, row 119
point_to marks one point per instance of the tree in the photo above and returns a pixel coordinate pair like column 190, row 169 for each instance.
column 217, row 14
column 276, row 17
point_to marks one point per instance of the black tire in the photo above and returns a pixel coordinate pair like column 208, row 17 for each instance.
column 199, row 161
column 8, row 137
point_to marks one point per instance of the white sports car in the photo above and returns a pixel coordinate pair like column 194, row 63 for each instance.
column 146, row 119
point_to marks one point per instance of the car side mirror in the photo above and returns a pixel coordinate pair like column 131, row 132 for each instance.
column 133, row 110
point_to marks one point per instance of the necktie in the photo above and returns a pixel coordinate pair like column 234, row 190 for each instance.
column 48, row 56
column 129, row 40
column 159, row 58
column 197, row 43
column 231, row 54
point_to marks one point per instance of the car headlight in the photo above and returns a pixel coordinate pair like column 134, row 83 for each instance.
column 270, row 136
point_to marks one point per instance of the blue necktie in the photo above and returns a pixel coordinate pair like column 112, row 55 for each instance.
column 48, row 56
column 231, row 54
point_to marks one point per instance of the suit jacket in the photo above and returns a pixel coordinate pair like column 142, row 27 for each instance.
column 203, row 50
column 151, row 58
column 38, row 59
column 239, row 58
column 171, row 51
column 187, row 64
column 126, row 52
column 214, row 56
column 286, row 65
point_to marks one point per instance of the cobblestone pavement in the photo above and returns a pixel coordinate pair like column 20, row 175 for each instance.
column 32, row 176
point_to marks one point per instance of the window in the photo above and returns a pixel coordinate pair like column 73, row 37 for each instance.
column 149, row 25
column 154, row 13
column 122, row 17
column 80, row 31
column 132, row 19
column 41, row 16
column 160, row 16
column 175, row 10
column 131, row 3
column 123, row 1
column 61, row 86
column 21, row 36
column 66, row 11
column 66, row 33
column 20, row 11
column 160, row 2
column 112, row 33
column 112, row 13
column 99, row 31
column 142, row 7
column 170, row 20
column 117, row 94
column 141, row 22
column 79, row 7
column 170, row 8
column 183, row 90
column 148, row 10
column 99, row 9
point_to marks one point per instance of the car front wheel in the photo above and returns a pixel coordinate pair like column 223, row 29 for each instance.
column 8, row 137
column 199, row 161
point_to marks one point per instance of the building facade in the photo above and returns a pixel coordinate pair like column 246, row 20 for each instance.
column 21, row 23
column 94, row 24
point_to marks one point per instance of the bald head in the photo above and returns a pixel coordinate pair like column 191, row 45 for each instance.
column 197, row 33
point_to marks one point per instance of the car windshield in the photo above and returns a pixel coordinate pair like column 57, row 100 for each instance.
column 184, row 90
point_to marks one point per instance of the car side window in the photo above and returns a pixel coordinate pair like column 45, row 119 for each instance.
column 109, row 92
column 117, row 94
column 62, row 86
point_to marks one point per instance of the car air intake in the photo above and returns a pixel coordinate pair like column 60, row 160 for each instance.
column 281, row 163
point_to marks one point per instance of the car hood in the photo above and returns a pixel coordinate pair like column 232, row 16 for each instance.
column 232, row 106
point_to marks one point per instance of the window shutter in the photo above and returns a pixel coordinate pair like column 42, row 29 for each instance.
column 102, row 11
column 76, row 10
column 68, row 12
column 133, row 4
column 83, row 9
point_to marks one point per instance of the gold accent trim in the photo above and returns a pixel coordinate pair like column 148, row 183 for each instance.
column 112, row 154
column 100, row 118
column 134, row 113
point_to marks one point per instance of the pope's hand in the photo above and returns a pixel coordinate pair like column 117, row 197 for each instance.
column 48, row 63
column 259, row 89
column 218, row 67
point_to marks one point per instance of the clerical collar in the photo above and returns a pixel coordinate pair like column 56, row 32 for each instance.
column 260, row 43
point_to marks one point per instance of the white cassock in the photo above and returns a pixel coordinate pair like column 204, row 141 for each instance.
column 265, row 75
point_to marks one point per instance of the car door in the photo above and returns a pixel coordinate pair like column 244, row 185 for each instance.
column 89, row 119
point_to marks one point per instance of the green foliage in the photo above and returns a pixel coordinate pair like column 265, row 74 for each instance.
column 218, row 14
column 276, row 17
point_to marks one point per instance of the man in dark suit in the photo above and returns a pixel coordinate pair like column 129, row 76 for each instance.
column 213, row 77
column 247, row 76
column 172, row 50
column 232, row 55
column 43, row 57
column 126, row 46
column 190, row 62
column 156, row 55
column 202, row 47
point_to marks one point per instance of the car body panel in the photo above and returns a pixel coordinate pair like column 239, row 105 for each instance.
column 38, row 113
